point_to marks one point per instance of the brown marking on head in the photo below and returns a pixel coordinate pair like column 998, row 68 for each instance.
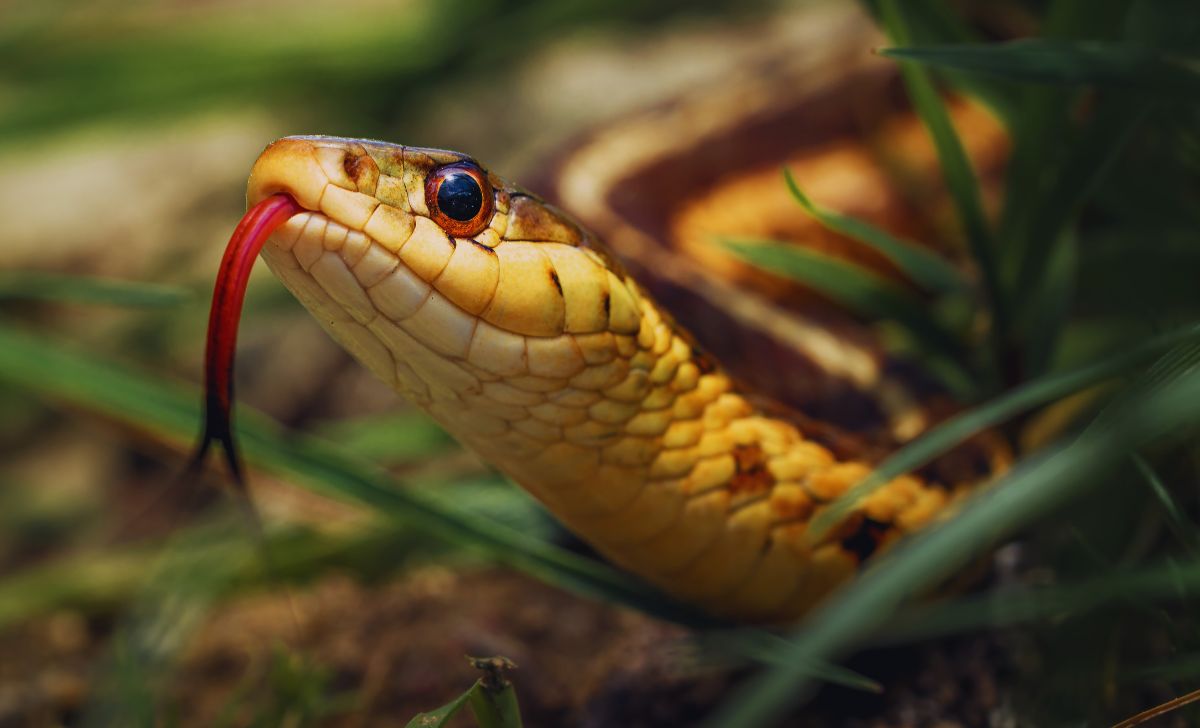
column 606, row 301
column 480, row 245
column 556, row 282
column 350, row 163
column 752, row 475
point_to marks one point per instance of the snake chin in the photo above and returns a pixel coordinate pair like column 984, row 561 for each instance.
column 412, row 336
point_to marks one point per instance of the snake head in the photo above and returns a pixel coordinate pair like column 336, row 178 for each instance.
column 435, row 273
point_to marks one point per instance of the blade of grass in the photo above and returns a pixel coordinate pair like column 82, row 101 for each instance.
column 102, row 580
column 860, row 290
column 1138, row 586
column 494, row 705
column 496, row 710
column 1038, row 150
column 1045, row 118
column 438, row 717
column 1051, row 300
column 307, row 461
column 494, row 700
column 1180, row 525
column 1093, row 152
column 172, row 411
column 1035, row 486
column 924, row 267
column 952, row 432
column 1068, row 63
column 389, row 439
column 34, row 285
column 958, row 173
column 934, row 22
column 767, row 648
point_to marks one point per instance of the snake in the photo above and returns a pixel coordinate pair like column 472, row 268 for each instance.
column 528, row 338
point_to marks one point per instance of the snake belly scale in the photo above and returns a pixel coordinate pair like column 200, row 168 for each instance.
column 522, row 335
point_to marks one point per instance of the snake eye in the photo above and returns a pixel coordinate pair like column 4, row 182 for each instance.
column 459, row 199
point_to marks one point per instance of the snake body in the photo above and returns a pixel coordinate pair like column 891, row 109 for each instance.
column 523, row 336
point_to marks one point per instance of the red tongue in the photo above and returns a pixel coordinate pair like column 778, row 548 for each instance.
column 228, row 294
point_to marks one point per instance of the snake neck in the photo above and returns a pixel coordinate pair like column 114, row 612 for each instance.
column 656, row 458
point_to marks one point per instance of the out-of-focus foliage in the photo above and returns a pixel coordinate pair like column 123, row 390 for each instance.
column 364, row 67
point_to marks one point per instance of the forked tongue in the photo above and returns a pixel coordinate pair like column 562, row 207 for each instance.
column 228, row 295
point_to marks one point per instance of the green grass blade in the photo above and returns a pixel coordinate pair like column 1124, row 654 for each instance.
column 857, row 288
column 767, row 647
column 496, row 709
column 172, row 411
column 103, row 580
column 493, row 700
column 1034, row 487
column 1179, row 523
column 1135, row 587
column 924, row 267
column 934, row 22
column 494, row 706
column 1045, row 120
column 438, row 717
column 1051, row 299
column 952, row 432
column 390, row 439
column 956, row 169
column 1068, row 63
column 1090, row 155
column 32, row 285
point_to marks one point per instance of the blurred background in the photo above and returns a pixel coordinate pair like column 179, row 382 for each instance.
column 130, row 597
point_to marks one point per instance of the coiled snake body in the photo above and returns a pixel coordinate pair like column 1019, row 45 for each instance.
column 525, row 338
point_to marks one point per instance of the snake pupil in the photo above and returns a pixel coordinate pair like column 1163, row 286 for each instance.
column 459, row 197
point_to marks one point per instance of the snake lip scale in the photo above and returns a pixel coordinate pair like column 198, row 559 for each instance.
column 523, row 336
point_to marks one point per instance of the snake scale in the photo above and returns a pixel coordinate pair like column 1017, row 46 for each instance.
column 523, row 336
